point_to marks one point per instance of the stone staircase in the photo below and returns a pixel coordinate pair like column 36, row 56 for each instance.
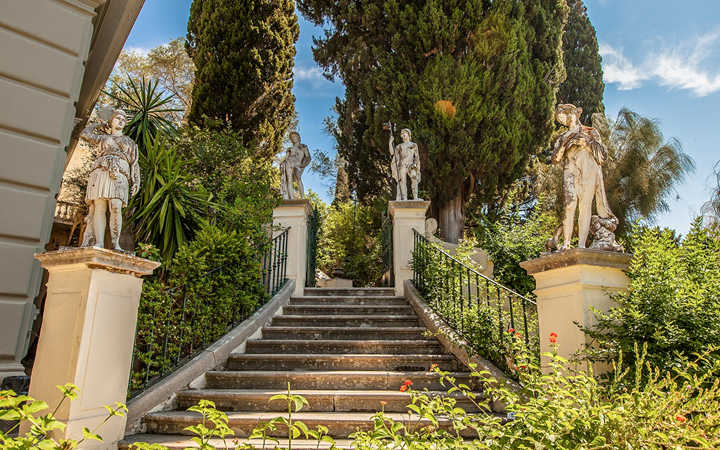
column 344, row 350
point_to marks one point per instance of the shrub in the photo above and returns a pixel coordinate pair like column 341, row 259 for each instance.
column 214, row 282
column 564, row 410
column 672, row 304
column 351, row 239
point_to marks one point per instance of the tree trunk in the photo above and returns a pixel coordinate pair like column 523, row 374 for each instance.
column 452, row 218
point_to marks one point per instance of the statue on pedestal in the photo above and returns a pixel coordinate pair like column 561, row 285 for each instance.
column 582, row 152
column 292, row 166
column 405, row 163
column 114, row 178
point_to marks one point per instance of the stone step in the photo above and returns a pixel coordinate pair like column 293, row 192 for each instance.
column 401, row 363
column 178, row 441
column 339, row 424
column 389, row 333
column 349, row 292
column 318, row 400
column 314, row 310
column 366, row 300
column 345, row 321
column 330, row 379
column 342, row 346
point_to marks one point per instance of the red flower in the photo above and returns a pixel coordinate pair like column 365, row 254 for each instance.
column 518, row 335
column 523, row 367
column 406, row 385
column 511, row 330
column 553, row 337
column 680, row 418
column 403, row 388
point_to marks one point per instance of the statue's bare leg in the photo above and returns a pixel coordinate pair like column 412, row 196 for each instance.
column 290, row 185
column 301, row 188
column 99, row 221
column 414, row 182
column 402, row 184
column 115, row 222
column 88, row 238
column 571, row 201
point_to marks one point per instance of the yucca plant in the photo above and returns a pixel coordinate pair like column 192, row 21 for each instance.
column 170, row 206
column 147, row 106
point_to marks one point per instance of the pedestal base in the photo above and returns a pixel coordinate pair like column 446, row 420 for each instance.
column 87, row 336
column 294, row 214
column 406, row 216
column 568, row 285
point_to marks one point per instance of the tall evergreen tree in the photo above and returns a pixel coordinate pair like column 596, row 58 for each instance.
column 475, row 81
column 244, row 57
column 584, row 85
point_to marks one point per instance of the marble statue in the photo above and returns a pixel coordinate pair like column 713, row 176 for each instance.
column 292, row 166
column 582, row 152
column 113, row 179
column 405, row 163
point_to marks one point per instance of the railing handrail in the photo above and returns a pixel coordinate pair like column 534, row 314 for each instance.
column 475, row 272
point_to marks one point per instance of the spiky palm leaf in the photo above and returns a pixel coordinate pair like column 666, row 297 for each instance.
column 146, row 104
column 171, row 205
column 642, row 169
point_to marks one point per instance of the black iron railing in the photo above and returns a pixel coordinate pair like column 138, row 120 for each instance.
column 387, row 253
column 312, row 240
column 178, row 328
column 487, row 314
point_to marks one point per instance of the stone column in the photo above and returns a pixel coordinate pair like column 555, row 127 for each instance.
column 406, row 216
column 568, row 285
column 294, row 214
column 87, row 335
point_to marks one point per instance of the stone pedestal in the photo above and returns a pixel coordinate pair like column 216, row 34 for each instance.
column 87, row 336
column 568, row 285
column 294, row 214
column 406, row 216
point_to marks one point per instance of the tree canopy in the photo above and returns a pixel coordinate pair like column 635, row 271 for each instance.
column 584, row 85
column 244, row 54
column 474, row 80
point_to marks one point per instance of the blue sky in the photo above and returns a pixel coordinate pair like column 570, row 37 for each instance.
column 661, row 59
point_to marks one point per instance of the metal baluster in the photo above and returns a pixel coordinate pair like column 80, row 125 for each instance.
column 499, row 303
column 525, row 325
column 512, row 316
column 182, row 326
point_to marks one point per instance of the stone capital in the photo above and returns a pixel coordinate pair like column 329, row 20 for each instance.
column 577, row 256
column 96, row 258
column 287, row 205
column 405, row 207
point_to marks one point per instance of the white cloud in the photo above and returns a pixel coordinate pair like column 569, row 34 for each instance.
column 686, row 66
column 313, row 74
column 618, row 69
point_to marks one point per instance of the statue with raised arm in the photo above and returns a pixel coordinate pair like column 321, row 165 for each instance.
column 405, row 163
column 114, row 178
column 292, row 166
column 582, row 153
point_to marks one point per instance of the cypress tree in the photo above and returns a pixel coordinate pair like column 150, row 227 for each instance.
column 584, row 85
column 474, row 80
column 244, row 57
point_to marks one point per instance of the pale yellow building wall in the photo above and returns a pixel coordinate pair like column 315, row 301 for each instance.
column 45, row 44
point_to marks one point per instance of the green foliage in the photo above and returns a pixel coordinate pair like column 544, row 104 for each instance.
column 514, row 237
column 244, row 57
column 563, row 410
column 584, row 85
column 242, row 179
column 477, row 308
column 350, row 238
column 213, row 283
column 22, row 408
column 711, row 209
column 673, row 301
column 170, row 205
column 496, row 64
column 147, row 106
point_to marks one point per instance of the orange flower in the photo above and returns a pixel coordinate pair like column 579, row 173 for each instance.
column 406, row 385
column 553, row 337
column 680, row 418
column 511, row 330
column 383, row 403
column 518, row 335
column 433, row 367
column 403, row 388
